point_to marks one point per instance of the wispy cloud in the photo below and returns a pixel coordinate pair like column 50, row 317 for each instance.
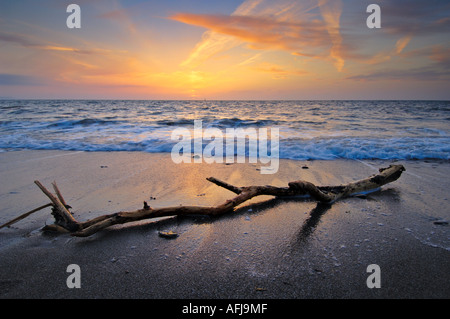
column 385, row 55
column 277, row 71
column 15, row 38
column 402, row 43
column 250, row 60
column 262, row 32
column 59, row 63
column 211, row 44
column 270, row 25
column 416, row 74
column 436, row 68
column 30, row 42
column 331, row 12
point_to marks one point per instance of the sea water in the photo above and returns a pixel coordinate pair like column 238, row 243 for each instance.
column 307, row 129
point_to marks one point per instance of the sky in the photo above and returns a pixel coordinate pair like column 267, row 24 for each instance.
column 242, row 50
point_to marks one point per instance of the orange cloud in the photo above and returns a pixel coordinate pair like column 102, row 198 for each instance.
column 33, row 43
column 385, row 56
column 285, row 25
column 262, row 32
column 331, row 13
column 402, row 43
column 277, row 71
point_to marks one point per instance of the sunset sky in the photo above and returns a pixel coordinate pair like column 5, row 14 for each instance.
column 233, row 49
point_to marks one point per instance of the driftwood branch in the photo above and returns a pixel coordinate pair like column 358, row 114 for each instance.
column 15, row 220
column 58, row 193
column 326, row 194
column 62, row 215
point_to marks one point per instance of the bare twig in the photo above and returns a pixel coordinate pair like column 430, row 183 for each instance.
column 15, row 220
column 58, row 193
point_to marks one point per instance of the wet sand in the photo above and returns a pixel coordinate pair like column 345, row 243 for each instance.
column 268, row 249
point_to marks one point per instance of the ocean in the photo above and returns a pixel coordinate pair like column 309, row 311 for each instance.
column 308, row 130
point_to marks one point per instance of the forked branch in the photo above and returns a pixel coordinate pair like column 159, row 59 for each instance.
column 327, row 194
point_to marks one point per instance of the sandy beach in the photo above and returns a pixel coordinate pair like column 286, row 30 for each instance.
column 268, row 249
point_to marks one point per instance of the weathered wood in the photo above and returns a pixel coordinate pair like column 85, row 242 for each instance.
column 326, row 194
column 58, row 193
column 62, row 216
column 223, row 184
column 15, row 220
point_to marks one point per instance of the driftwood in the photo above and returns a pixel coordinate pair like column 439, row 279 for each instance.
column 64, row 221
column 15, row 220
